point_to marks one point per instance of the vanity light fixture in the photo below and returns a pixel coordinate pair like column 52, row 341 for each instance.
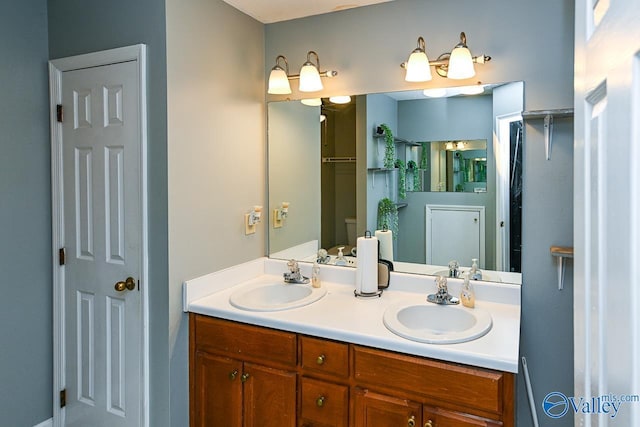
column 310, row 76
column 448, row 146
column 457, row 64
column 418, row 69
column 460, row 145
column 279, row 78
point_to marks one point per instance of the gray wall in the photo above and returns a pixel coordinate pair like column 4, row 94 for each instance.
column 366, row 45
column 82, row 26
column 25, row 217
column 216, row 155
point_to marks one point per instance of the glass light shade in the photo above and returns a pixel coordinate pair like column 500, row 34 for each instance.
column 278, row 82
column 437, row 92
column 309, row 78
column 448, row 146
column 418, row 69
column 460, row 145
column 312, row 102
column 341, row 99
column 460, row 64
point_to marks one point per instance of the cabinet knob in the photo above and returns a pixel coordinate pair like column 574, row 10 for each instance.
column 428, row 424
column 412, row 421
column 233, row 375
column 320, row 402
column 244, row 377
column 320, row 359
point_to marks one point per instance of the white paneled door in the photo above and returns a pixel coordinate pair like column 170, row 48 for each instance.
column 102, row 211
column 607, row 214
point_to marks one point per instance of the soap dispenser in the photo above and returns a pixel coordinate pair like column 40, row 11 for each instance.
column 315, row 275
column 341, row 260
column 476, row 274
column 467, row 295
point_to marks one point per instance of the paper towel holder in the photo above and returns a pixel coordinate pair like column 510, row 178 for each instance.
column 384, row 275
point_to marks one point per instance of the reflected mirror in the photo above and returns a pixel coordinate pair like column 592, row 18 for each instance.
column 453, row 179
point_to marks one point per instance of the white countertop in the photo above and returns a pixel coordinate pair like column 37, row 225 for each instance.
column 340, row 316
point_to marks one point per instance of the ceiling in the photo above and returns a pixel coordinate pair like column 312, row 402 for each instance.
column 269, row 11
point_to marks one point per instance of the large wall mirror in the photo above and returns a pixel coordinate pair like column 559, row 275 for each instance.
column 453, row 181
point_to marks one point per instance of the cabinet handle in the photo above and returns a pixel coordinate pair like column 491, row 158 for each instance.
column 233, row 375
column 412, row 421
column 428, row 424
column 320, row 402
column 320, row 359
column 244, row 377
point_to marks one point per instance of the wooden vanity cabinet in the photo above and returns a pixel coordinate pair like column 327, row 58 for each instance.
column 243, row 375
column 324, row 396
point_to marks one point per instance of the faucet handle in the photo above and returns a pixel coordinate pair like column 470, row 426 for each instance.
column 293, row 266
column 441, row 283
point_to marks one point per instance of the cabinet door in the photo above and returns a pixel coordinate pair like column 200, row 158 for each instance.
column 269, row 397
column 377, row 410
column 440, row 418
column 218, row 392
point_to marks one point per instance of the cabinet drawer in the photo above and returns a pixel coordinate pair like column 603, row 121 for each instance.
column 252, row 343
column 477, row 388
column 324, row 356
column 323, row 403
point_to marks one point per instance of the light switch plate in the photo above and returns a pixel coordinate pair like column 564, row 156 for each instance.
column 248, row 229
column 277, row 223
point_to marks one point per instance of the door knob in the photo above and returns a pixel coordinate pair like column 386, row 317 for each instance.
column 128, row 284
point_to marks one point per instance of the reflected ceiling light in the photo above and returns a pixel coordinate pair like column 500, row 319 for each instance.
column 417, row 65
column 340, row 99
column 457, row 64
column 437, row 92
column 279, row 79
column 310, row 76
column 312, row 102
column 471, row 90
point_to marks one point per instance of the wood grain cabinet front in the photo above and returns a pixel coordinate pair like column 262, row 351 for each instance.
column 249, row 376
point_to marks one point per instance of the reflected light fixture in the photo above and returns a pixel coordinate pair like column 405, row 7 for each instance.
column 472, row 90
column 417, row 65
column 310, row 76
column 279, row 78
column 457, row 64
column 340, row 99
column 437, row 92
column 448, row 146
column 312, row 102
column 460, row 145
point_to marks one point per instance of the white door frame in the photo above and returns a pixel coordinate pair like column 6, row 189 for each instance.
column 502, row 154
column 56, row 68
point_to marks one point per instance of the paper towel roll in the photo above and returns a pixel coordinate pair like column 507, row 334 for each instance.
column 367, row 268
column 386, row 244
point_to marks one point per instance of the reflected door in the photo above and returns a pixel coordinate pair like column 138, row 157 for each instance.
column 454, row 233
column 102, row 212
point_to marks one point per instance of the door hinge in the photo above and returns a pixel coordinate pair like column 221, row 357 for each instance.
column 59, row 113
column 63, row 398
column 61, row 256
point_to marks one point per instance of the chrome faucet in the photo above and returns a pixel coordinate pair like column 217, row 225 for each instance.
column 454, row 269
column 294, row 275
column 442, row 295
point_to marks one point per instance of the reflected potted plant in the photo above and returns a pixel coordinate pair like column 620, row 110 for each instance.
column 389, row 146
column 388, row 216
column 402, row 178
column 415, row 172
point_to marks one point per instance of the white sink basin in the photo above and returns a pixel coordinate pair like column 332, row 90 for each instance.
column 437, row 324
column 275, row 296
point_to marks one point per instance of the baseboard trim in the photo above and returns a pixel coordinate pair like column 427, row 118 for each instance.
column 46, row 423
